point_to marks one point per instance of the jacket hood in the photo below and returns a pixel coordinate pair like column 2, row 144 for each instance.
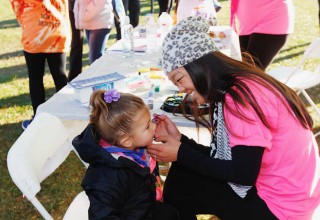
column 89, row 151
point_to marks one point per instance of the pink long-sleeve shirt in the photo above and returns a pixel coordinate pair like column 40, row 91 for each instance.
column 262, row 16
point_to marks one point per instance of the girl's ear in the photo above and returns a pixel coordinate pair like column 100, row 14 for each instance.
column 126, row 142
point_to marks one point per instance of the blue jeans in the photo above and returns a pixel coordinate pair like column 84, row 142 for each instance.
column 97, row 40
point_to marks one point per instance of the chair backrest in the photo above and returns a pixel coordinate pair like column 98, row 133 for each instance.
column 36, row 154
column 312, row 51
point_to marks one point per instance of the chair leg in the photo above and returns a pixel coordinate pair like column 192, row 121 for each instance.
column 305, row 94
column 45, row 214
column 310, row 101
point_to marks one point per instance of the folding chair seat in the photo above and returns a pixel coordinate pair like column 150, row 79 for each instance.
column 35, row 155
column 78, row 209
column 298, row 78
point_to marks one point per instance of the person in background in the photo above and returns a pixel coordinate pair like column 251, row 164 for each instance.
column 96, row 18
column 117, row 21
column 205, row 8
column 217, row 5
column 319, row 12
column 263, row 27
column 75, row 58
column 121, row 178
column 119, row 16
column 165, row 6
column 45, row 37
column 263, row 160
column 131, row 7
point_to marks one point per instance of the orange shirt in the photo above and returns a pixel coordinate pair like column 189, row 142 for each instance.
column 45, row 25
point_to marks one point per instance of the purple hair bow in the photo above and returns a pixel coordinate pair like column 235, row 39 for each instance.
column 111, row 95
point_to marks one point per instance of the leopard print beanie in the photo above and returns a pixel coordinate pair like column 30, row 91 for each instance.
column 186, row 42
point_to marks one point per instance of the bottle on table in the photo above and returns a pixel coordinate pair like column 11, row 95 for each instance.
column 151, row 33
column 127, row 37
column 150, row 98
column 165, row 22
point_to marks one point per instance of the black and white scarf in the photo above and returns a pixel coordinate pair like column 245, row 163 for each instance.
column 221, row 147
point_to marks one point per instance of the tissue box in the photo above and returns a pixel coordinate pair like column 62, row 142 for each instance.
column 84, row 88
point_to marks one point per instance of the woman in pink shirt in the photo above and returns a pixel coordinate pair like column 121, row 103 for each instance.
column 263, row 160
column 263, row 27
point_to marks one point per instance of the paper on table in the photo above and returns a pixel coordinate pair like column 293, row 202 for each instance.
column 140, row 45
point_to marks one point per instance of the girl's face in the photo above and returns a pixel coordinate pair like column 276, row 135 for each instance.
column 183, row 81
column 144, row 130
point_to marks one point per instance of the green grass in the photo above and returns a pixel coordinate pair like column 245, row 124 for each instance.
column 64, row 184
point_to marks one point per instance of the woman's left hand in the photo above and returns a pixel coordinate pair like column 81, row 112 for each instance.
column 167, row 151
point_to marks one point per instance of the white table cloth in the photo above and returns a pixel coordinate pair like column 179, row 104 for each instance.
column 75, row 115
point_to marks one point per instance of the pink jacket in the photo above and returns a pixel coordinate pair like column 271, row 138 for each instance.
column 93, row 14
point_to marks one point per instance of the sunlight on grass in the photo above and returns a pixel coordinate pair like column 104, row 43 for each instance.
column 14, row 87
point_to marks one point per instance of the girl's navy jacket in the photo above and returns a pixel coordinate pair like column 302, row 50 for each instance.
column 117, row 188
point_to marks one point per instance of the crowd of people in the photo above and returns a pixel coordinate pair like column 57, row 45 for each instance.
column 54, row 24
column 262, row 161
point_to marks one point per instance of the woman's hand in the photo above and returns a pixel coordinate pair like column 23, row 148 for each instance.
column 165, row 127
column 167, row 151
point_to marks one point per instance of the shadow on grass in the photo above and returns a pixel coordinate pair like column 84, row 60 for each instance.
column 291, row 55
column 12, row 23
column 314, row 94
column 22, row 99
column 9, row 73
column 18, row 53
column 294, row 47
column 146, row 7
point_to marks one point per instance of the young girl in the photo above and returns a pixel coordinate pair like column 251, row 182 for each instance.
column 121, row 179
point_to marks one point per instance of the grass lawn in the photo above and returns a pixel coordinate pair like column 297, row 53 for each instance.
column 64, row 184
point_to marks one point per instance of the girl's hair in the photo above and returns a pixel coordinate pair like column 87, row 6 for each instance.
column 215, row 74
column 116, row 119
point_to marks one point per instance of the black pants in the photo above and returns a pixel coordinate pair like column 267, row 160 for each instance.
column 192, row 194
column 164, row 211
column 319, row 12
column 75, row 59
column 132, row 7
column 165, row 6
column 263, row 47
column 116, row 21
column 36, row 68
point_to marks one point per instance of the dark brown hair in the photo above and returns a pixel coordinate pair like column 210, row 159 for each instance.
column 215, row 75
column 116, row 119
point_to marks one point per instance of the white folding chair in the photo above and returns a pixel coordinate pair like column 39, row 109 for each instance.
column 298, row 78
column 35, row 155
column 78, row 209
